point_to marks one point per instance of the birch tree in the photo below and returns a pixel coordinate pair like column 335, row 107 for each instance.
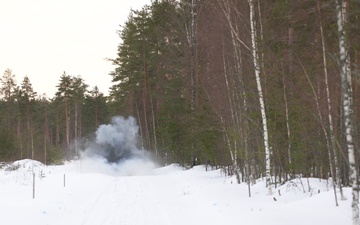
column 255, row 55
column 332, row 146
column 238, row 43
column 346, row 92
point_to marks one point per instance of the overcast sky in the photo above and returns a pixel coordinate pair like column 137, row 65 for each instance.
column 44, row 38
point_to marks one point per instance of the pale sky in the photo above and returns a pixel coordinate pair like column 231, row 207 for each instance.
column 44, row 38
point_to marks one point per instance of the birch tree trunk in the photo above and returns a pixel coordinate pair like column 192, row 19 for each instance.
column 260, row 93
column 344, row 17
column 330, row 120
column 347, row 114
column 288, row 131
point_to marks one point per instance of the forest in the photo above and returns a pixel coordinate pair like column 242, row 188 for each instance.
column 261, row 88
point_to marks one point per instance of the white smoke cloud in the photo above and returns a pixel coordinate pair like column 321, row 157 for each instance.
column 114, row 150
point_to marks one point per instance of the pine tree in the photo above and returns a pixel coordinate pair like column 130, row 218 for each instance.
column 27, row 98
column 10, row 111
column 95, row 110
column 8, row 85
column 64, row 95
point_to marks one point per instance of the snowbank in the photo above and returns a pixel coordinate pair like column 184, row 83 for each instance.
column 21, row 172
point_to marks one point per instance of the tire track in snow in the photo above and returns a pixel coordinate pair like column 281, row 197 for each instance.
column 109, row 207
column 156, row 201
column 126, row 201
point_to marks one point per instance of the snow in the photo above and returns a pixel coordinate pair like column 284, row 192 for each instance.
column 138, row 193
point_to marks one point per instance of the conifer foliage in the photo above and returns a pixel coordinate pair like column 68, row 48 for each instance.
column 251, row 86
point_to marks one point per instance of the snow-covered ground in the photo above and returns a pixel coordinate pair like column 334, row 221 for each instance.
column 137, row 193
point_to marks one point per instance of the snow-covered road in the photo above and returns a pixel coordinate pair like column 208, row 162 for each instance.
column 126, row 201
column 164, row 196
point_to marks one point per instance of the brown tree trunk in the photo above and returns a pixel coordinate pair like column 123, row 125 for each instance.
column 67, row 122
column 46, row 133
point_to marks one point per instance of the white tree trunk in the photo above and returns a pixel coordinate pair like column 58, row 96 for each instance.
column 336, row 176
column 347, row 108
column 344, row 17
column 260, row 92
column 288, row 131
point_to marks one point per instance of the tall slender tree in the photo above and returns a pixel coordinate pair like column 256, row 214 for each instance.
column 79, row 89
column 64, row 95
column 257, row 68
column 347, row 104
column 27, row 97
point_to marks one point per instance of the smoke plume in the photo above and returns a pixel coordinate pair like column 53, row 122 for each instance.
column 115, row 149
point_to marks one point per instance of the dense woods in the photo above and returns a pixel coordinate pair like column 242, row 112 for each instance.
column 253, row 86
column 36, row 127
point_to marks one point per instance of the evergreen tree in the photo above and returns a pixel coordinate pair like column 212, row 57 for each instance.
column 64, row 95
column 9, row 115
column 78, row 89
column 26, row 101
column 8, row 85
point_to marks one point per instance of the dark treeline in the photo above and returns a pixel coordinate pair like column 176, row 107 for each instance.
column 36, row 127
column 190, row 71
